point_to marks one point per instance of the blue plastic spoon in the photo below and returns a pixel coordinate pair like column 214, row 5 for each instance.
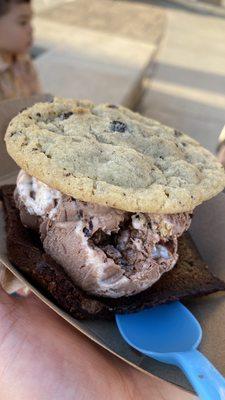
column 170, row 333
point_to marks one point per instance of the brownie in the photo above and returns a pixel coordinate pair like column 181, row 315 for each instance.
column 190, row 277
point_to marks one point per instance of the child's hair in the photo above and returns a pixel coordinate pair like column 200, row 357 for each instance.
column 6, row 4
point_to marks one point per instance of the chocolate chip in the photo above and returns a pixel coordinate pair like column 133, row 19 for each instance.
column 90, row 225
column 118, row 126
column 177, row 133
column 184, row 144
column 80, row 213
column 44, row 152
column 100, row 238
column 112, row 106
column 38, row 115
column 112, row 252
column 123, row 262
column 86, row 231
column 66, row 115
column 32, row 194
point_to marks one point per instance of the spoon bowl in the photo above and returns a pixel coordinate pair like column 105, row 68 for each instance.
column 171, row 334
column 161, row 330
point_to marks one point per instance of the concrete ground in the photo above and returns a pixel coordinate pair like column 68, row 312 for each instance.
column 101, row 53
column 97, row 50
column 185, row 87
column 130, row 19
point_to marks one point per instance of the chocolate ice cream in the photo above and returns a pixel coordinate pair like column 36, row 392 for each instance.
column 107, row 252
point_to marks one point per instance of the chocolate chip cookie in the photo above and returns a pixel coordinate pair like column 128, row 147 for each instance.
column 111, row 156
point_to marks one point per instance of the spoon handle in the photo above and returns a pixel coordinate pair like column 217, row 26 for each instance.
column 204, row 377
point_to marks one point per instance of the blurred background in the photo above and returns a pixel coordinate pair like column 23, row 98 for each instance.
column 165, row 59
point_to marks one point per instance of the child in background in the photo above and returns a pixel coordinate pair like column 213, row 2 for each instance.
column 18, row 77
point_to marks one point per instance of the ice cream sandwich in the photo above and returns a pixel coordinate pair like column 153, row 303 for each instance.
column 108, row 192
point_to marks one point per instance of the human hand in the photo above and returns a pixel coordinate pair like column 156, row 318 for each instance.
column 42, row 357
